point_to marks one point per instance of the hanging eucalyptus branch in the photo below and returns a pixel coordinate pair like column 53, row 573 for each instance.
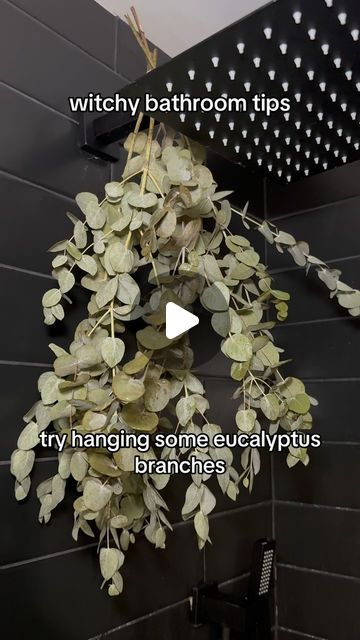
column 347, row 296
column 164, row 223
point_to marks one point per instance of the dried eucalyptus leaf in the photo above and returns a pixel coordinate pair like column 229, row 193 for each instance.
column 245, row 420
column 51, row 298
column 237, row 347
column 21, row 463
column 127, row 389
column 216, row 297
column 140, row 421
column 112, row 350
column 106, row 292
column 270, row 406
column 66, row 280
column 96, row 495
column 109, row 562
column 29, row 437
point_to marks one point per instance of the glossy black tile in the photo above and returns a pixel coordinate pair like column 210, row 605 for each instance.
column 335, row 417
column 153, row 579
column 310, row 297
column 82, row 73
column 22, row 537
column 172, row 622
column 17, row 394
column 318, row 604
column 32, row 213
column 331, row 232
column 301, row 541
column 321, row 349
column 84, row 23
column 47, row 151
column 233, row 535
column 24, row 336
column 329, row 479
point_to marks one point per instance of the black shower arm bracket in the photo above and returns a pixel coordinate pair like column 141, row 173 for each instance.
column 100, row 135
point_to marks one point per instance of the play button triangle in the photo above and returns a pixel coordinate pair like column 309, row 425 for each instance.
column 178, row 320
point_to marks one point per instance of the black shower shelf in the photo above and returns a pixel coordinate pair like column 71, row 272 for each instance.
column 297, row 49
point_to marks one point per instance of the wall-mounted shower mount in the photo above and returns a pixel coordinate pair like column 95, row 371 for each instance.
column 249, row 615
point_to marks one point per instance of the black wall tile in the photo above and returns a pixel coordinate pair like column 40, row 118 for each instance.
column 329, row 479
column 321, row 349
column 15, row 378
column 82, row 75
column 325, row 188
column 332, row 232
column 320, row 605
column 31, row 212
column 46, row 152
column 335, row 417
column 84, row 23
column 22, row 537
column 301, row 540
column 310, row 297
column 153, row 579
column 24, row 336
column 233, row 535
column 172, row 622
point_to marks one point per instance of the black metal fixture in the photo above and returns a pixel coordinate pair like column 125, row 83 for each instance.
column 307, row 52
column 248, row 615
column 100, row 135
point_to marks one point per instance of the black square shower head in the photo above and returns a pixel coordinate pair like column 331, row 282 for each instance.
column 306, row 52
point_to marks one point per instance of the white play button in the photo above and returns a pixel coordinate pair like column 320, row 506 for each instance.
column 178, row 320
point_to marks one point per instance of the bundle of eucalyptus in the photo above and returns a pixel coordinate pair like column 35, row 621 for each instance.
column 167, row 224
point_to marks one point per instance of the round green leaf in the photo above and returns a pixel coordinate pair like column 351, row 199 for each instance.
column 112, row 350
column 127, row 389
column 139, row 420
column 245, row 420
column 51, row 298
column 96, row 495
column 237, row 347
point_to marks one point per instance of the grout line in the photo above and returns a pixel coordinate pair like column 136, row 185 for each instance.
column 317, row 506
column 14, row 363
column 49, row 556
column 64, row 38
column 338, row 443
column 36, row 185
column 331, row 379
column 319, row 572
column 310, row 505
column 226, row 512
column 153, row 614
column 293, row 214
column 7, row 463
column 298, row 268
column 38, row 102
column 301, row 634
column 233, row 580
column 27, row 271
column 315, row 321
column 245, row 507
column 132, row 623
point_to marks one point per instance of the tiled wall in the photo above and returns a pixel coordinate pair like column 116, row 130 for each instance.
column 317, row 509
column 49, row 585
